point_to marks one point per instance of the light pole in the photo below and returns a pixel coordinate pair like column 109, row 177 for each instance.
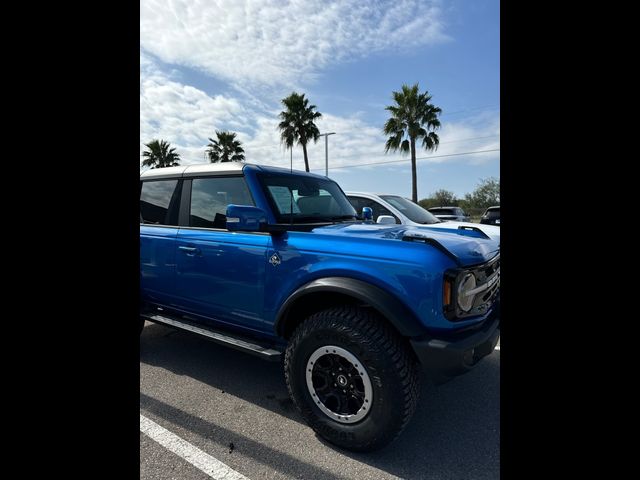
column 326, row 151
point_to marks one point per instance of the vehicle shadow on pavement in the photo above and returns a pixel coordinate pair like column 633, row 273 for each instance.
column 455, row 433
column 258, row 451
column 237, row 373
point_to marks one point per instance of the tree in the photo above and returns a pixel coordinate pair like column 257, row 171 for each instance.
column 440, row 198
column 486, row 194
column 412, row 118
column 444, row 198
column 225, row 149
column 297, row 123
column 159, row 155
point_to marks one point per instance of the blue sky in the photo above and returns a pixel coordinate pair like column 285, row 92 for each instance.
column 225, row 65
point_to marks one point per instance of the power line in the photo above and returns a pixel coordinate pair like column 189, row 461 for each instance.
column 445, row 113
column 366, row 153
column 408, row 159
column 378, row 154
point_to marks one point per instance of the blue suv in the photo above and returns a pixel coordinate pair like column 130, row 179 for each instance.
column 275, row 263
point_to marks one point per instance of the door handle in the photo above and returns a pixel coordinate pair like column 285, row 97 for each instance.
column 189, row 250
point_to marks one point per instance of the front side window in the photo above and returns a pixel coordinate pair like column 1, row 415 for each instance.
column 298, row 199
column 356, row 203
column 413, row 212
column 210, row 197
column 378, row 209
column 158, row 202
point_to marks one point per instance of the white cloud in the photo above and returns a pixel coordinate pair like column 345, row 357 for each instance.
column 357, row 142
column 287, row 43
column 186, row 116
column 181, row 114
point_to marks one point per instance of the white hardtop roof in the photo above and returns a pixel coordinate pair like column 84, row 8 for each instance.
column 192, row 170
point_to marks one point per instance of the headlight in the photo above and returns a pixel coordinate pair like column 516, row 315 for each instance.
column 465, row 300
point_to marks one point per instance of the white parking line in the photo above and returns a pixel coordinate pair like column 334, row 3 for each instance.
column 196, row 457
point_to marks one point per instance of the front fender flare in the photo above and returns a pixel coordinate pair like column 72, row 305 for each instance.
column 389, row 306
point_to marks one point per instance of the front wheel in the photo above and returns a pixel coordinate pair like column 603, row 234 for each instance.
column 353, row 378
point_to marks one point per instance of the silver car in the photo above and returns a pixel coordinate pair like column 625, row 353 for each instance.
column 399, row 210
column 455, row 214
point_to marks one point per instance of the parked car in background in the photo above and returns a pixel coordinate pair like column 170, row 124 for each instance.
column 397, row 209
column 491, row 216
column 450, row 213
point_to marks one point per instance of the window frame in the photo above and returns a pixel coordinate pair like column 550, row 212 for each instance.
column 184, row 216
column 174, row 201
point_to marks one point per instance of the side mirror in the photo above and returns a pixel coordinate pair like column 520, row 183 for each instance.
column 367, row 214
column 386, row 219
column 244, row 218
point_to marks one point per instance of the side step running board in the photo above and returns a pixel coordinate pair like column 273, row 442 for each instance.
column 244, row 344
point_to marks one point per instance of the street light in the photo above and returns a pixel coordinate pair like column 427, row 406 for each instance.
column 326, row 151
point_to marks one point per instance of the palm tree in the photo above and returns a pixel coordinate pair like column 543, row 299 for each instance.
column 159, row 155
column 411, row 118
column 297, row 123
column 225, row 149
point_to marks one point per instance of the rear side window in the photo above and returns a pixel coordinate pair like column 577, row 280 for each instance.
column 158, row 202
column 210, row 197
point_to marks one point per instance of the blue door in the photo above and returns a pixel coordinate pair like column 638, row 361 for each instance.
column 220, row 275
column 158, row 232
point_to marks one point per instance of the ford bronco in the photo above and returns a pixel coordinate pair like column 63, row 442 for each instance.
column 275, row 263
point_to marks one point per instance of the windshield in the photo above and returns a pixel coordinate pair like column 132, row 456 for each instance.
column 413, row 212
column 493, row 213
column 299, row 199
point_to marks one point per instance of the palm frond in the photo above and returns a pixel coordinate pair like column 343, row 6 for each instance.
column 226, row 148
column 159, row 155
column 298, row 120
column 414, row 116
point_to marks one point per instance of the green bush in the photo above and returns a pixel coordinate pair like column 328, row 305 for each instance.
column 486, row 194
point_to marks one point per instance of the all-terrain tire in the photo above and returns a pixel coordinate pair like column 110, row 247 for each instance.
column 389, row 362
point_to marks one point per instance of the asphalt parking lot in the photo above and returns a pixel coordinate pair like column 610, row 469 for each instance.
column 211, row 396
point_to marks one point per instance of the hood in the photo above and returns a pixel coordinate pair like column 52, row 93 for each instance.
column 465, row 247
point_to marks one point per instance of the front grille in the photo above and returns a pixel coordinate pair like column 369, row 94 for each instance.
column 487, row 275
column 491, row 268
